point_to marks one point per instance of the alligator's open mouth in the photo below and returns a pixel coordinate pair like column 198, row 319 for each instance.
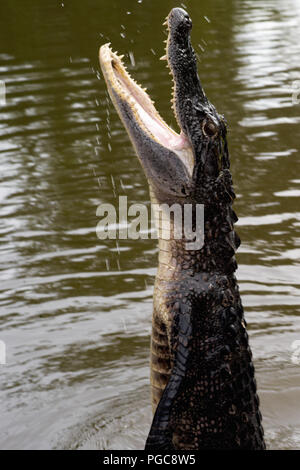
column 145, row 113
column 137, row 110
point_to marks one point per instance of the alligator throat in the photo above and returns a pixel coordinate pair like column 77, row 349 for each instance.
column 202, row 376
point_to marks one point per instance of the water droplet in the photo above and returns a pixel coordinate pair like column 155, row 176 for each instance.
column 207, row 19
column 113, row 181
column 113, row 185
column 123, row 35
column 122, row 185
column 132, row 60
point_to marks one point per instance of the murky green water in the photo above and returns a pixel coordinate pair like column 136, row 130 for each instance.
column 76, row 311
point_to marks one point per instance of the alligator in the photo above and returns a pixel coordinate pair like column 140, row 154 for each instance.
column 204, row 393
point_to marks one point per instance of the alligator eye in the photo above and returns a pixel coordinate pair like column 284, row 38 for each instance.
column 209, row 128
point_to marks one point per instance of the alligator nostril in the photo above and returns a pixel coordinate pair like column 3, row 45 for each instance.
column 188, row 21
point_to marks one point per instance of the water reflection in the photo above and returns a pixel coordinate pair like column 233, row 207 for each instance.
column 76, row 312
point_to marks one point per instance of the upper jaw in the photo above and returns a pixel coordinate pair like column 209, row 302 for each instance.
column 191, row 105
column 119, row 80
column 196, row 116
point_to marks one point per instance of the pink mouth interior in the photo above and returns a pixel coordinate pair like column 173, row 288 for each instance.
column 157, row 127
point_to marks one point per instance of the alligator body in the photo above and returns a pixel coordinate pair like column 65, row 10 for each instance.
column 202, row 376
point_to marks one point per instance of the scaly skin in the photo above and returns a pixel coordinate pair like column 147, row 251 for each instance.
column 202, row 375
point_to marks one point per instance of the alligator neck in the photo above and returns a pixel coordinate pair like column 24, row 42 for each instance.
column 220, row 241
column 217, row 255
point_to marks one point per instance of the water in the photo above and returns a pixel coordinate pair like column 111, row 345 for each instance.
column 76, row 311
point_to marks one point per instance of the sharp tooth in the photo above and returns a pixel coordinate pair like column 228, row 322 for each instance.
column 163, row 57
column 165, row 23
